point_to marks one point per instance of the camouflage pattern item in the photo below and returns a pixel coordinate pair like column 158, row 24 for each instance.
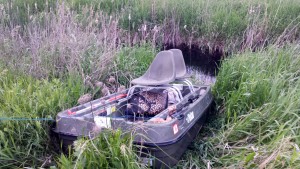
column 149, row 103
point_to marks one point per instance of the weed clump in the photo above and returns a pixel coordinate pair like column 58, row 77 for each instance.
column 110, row 149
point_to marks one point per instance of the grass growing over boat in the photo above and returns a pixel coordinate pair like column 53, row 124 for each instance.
column 28, row 107
column 257, row 95
column 110, row 149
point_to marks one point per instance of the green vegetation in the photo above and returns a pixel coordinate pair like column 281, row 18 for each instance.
column 50, row 50
column 258, row 95
column 132, row 62
column 27, row 106
column 228, row 22
column 57, row 38
column 19, row 12
column 110, row 149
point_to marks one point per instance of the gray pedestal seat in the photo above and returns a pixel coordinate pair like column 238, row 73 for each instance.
column 161, row 71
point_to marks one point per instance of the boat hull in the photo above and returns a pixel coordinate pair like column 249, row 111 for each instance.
column 168, row 155
column 160, row 144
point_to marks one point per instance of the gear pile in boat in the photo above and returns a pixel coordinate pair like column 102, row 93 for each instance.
column 163, row 110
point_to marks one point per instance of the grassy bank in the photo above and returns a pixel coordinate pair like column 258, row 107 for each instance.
column 209, row 19
column 27, row 109
column 257, row 125
column 52, row 51
column 53, row 38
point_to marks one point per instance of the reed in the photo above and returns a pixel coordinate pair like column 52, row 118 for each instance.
column 53, row 38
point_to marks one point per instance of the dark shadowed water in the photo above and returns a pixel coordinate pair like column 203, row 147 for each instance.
column 201, row 63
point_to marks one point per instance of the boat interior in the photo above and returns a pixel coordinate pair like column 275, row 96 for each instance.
column 162, row 89
column 159, row 94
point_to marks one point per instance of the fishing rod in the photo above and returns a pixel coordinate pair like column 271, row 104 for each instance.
column 102, row 103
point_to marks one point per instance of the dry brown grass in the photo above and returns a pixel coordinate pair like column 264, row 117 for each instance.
column 56, row 43
column 62, row 40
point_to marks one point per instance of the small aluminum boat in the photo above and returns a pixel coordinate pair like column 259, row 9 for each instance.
column 162, row 130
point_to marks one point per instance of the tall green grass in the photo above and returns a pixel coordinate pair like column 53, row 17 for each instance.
column 27, row 106
column 132, row 62
column 110, row 149
column 258, row 96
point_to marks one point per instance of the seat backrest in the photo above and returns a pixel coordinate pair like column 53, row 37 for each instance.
column 179, row 64
column 162, row 67
column 161, row 71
